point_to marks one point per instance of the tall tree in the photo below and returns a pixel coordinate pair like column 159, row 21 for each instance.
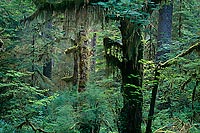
column 128, row 62
column 164, row 32
column 93, row 52
column 163, row 42
column 132, row 19
column 47, row 67
column 81, row 54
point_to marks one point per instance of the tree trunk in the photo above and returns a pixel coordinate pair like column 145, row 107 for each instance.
column 180, row 19
column 132, row 74
column 83, row 66
column 193, row 100
column 75, row 73
column 164, row 40
column 93, row 52
column 33, row 61
column 153, row 101
column 84, row 54
column 83, row 60
column 164, row 32
column 47, row 69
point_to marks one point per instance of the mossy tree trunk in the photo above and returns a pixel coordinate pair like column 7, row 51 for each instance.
column 81, row 54
column 83, row 65
column 84, row 55
column 132, row 74
column 130, row 117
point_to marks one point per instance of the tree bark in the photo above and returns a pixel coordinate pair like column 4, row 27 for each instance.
column 47, row 69
column 130, row 117
column 164, row 32
column 83, row 66
column 153, row 101
column 33, row 61
column 193, row 100
column 132, row 75
column 75, row 73
column 93, row 52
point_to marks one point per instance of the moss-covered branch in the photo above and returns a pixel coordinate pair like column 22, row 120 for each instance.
column 173, row 60
column 71, row 49
column 68, row 79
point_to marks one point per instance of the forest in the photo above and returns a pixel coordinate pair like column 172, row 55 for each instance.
column 99, row 66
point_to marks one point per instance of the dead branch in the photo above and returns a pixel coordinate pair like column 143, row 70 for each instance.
column 68, row 79
column 163, row 129
column 28, row 123
column 45, row 79
column 75, row 124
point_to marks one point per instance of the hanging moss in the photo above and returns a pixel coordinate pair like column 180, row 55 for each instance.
column 62, row 5
column 58, row 5
column 75, row 14
column 113, row 54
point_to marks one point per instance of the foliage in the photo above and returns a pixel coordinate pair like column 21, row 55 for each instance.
column 58, row 107
column 177, row 82
column 133, row 11
column 69, row 110
column 17, row 97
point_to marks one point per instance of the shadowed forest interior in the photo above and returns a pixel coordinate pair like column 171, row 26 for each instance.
column 99, row 66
